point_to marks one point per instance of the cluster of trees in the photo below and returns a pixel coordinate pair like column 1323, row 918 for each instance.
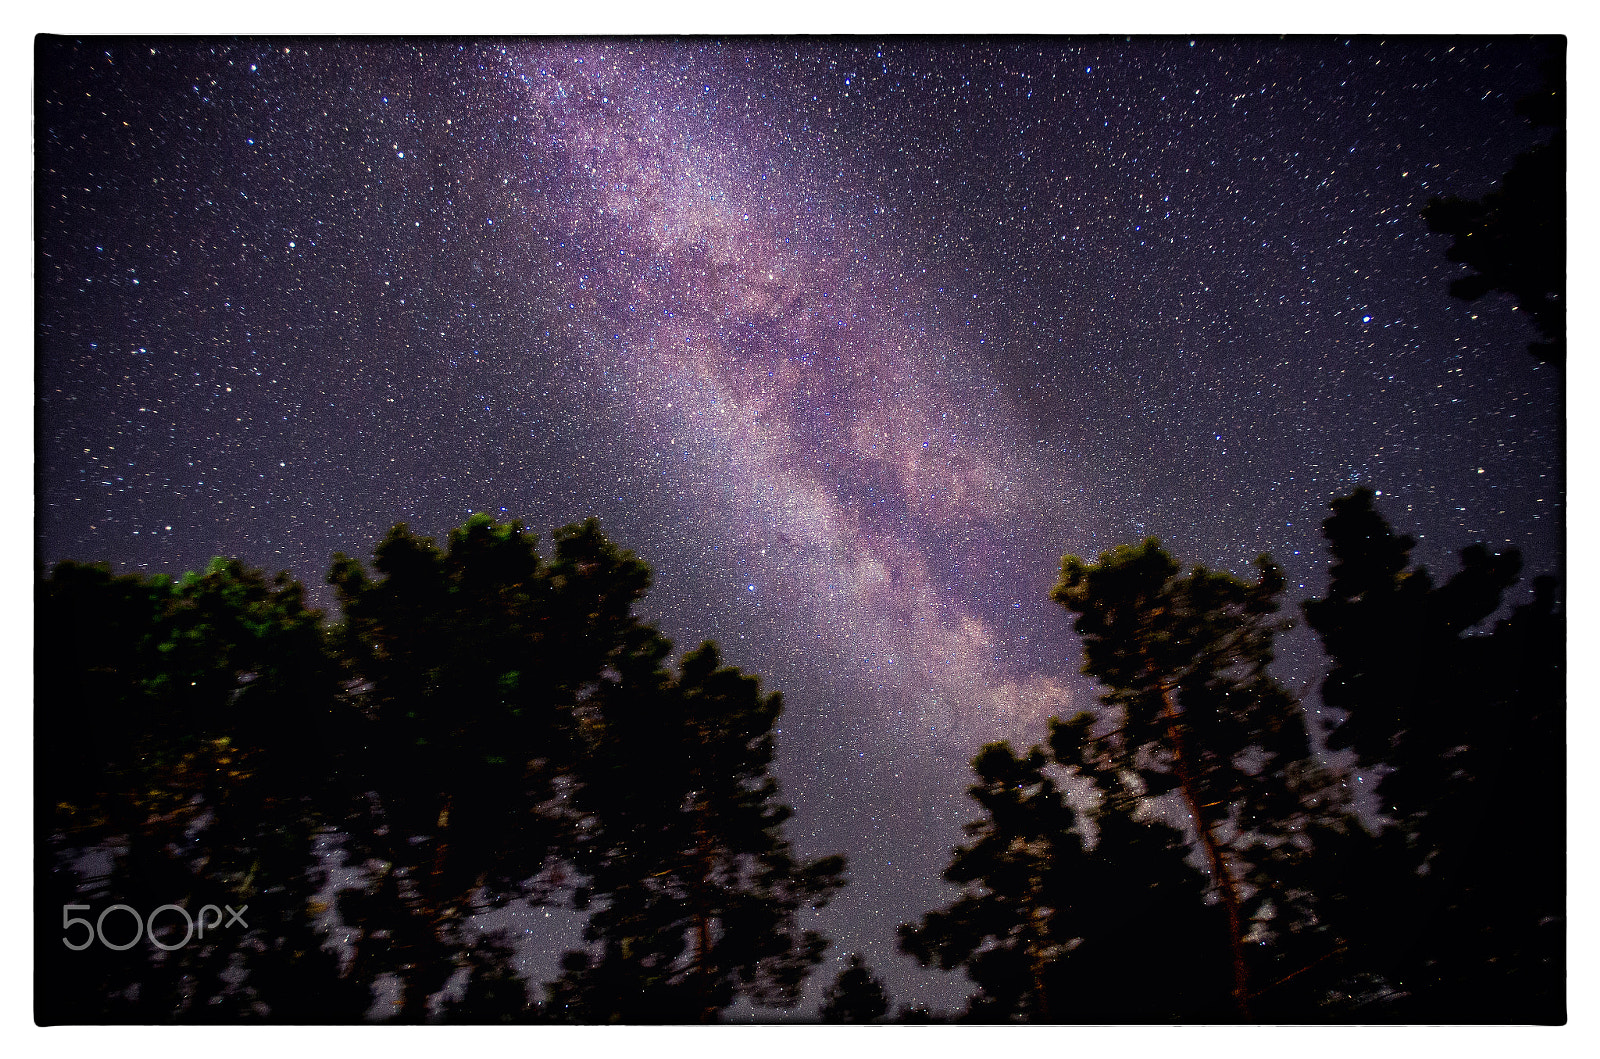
column 481, row 726
column 476, row 731
column 477, row 728
column 1277, row 896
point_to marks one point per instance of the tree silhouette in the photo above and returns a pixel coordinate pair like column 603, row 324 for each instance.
column 471, row 666
column 1454, row 717
column 1183, row 660
column 855, row 996
column 1149, row 950
column 494, row 992
column 1514, row 238
column 1069, row 914
column 183, row 738
column 486, row 726
column 483, row 727
column 695, row 893
column 1014, row 874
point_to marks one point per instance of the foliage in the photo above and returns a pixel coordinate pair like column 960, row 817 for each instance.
column 486, row 726
column 1014, row 873
column 1053, row 928
column 494, row 992
column 1514, row 238
column 1452, row 717
column 1192, row 708
column 182, row 732
column 483, row 727
column 696, row 894
column 469, row 666
column 855, row 996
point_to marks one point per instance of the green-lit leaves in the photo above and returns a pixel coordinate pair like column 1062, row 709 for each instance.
column 484, row 726
column 189, row 727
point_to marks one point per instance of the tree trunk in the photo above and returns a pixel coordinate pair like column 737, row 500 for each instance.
column 1216, row 855
column 702, row 919
column 1036, row 957
column 429, row 971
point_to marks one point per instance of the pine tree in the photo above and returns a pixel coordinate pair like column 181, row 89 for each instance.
column 1451, row 717
column 1514, row 238
column 1071, row 914
column 857, row 995
column 185, row 729
column 475, row 732
column 1014, row 874
column 473, row 666
column 1192, row 708
column 1148, row 949
column 695, row 895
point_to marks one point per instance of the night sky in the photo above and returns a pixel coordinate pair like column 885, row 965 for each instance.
column 850, row 339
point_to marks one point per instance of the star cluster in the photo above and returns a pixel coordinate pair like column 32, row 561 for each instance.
column 850, row 340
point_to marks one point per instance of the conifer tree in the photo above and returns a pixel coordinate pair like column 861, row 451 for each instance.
column 1449, row 716
column 1071, row 914
column 1014, row 874
column 473, row 666
column 856, row 995
column 1514, row 239
column 1192, row 708
column 185, row 732
column 1148, row 951
column 204, row 736
column 696, row 897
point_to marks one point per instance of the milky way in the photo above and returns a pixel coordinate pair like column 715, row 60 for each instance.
column 851, row 340
column 790, row 376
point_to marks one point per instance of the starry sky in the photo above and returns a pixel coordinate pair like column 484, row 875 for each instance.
column 850, row 338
